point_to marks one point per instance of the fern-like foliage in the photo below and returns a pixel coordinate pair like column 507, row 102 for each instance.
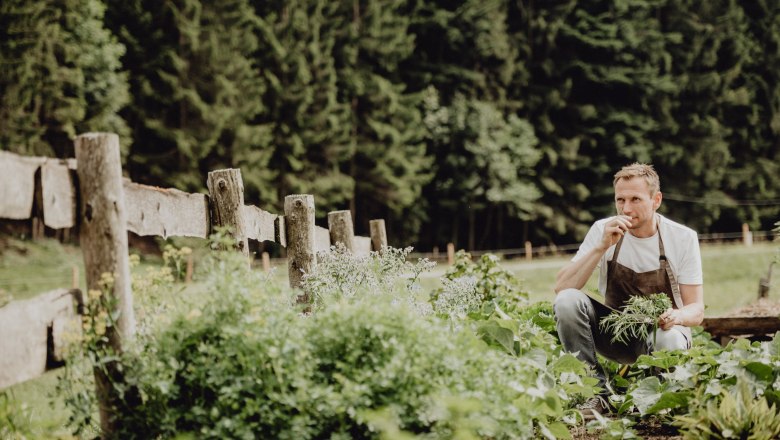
column 638, row 318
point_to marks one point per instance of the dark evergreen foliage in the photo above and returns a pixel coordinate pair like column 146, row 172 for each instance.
column 482, row 122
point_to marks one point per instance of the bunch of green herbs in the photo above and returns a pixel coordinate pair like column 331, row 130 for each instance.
column 638, row 319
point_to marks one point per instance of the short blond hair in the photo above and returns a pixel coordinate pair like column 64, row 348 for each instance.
column 637, row 169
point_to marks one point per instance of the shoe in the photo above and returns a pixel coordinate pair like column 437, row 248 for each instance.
column 596, row 404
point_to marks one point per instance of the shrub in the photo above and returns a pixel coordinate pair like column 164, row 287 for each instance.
column 366, row 363
column 241, row 372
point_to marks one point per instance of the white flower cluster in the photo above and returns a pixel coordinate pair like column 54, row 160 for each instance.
column 342, row 275
column 458, row 297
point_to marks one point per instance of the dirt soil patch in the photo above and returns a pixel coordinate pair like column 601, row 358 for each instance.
column 646, row 429
column 762, row 307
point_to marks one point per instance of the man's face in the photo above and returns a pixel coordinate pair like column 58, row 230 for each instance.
column 632, row 198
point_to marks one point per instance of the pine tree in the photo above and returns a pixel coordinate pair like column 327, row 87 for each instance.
column 387, row 159
column 308, row 124
column 59, row 75
column 485, row 161
column 196, row 91
column 709, row 46
column 598, row 77
column 466, row 62
column 754, row 117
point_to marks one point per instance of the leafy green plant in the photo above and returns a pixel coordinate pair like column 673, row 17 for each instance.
column 176, row 259
column 247, row 364
column 491, row 280
column 612, row 429
column 739, row 415
column 637, row 319
column 13, row 419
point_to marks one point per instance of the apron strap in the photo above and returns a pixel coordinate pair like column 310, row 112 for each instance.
column 617, row 249
column 668, row 269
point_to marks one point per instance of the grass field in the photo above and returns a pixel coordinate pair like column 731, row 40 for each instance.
column 731, row 274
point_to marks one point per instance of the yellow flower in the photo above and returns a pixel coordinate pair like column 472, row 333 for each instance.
column 185, row 250
column 94, row 294
column 106, row 279
column 100, row 328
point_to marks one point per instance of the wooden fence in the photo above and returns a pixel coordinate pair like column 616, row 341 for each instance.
column 89, row 193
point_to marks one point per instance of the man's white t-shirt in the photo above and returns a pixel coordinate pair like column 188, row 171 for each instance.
column 681, row 245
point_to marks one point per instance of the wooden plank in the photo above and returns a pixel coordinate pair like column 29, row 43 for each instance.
column 747, row 325
column 25, row 331
column 165, row 212
column 17, row 184
column 362, row 245
column 59, row 195
column 321, row 239
column 259, row 224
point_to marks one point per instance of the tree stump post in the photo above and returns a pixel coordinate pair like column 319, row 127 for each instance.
column 266, row 259
column 450, row 253
column 341, row 229
column 378, row 235
column 299, row 227
column 747, row 236
column 226, row 201
column 103, row 235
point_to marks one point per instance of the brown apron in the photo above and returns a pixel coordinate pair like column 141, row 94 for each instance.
column 623, row 283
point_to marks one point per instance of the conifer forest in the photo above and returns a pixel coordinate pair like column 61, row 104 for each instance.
column 486, row 123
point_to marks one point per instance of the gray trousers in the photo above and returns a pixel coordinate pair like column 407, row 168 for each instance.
column 577, row 319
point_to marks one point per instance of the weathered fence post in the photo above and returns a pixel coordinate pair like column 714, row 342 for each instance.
column 74, row 277
column 299, row 226
column 378, row 235
column 529, row 251
column 226, row 201
column 266, row 260
column 450, row 253
column 341, row 229
column 747, row 236
column 104, row 245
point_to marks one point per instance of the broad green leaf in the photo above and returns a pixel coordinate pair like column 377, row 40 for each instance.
column 559, row 430
column 762, row 371
column 537, row 358
column 660, row 359
column 646, row 394
column 568, row 363
column 714, row 388
column 492, row 333
column 670, row 400
column 683, row 373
